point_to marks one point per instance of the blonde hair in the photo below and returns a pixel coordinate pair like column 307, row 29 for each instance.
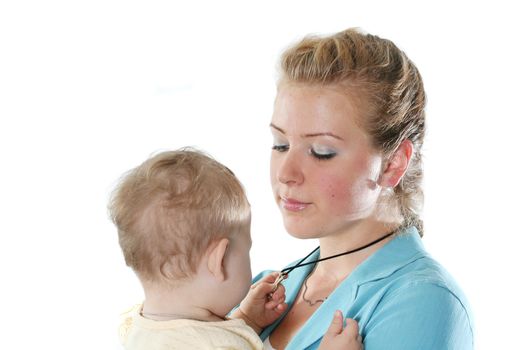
column 389, row 88
column 171, row 207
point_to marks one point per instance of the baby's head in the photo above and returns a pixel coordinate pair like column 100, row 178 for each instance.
column 172, row 208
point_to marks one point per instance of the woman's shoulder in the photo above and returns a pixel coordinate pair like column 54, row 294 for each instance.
column 426, row 283
column 405, row 263
column 426, row 300
column 425, row 273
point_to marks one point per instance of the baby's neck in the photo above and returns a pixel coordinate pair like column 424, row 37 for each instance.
column 161, row 304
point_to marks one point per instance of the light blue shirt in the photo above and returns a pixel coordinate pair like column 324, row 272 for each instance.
column 401, row 297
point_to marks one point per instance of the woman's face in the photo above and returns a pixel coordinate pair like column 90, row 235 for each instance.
column 324, row 170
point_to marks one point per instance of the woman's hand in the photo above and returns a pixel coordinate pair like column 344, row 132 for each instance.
column 337, row 337
column 261, row 307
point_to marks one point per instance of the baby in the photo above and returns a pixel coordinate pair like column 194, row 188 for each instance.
column 183, row 222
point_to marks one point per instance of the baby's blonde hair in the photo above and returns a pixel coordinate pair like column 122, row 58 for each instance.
column 389, row 89
column 171, row 207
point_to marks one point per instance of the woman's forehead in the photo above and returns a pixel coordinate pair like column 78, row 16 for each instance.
column 308, row 110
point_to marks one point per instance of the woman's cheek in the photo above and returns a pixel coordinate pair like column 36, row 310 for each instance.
column 337, row 192
column 348, row 197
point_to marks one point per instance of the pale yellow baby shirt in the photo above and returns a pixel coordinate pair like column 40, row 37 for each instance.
column 140, row 333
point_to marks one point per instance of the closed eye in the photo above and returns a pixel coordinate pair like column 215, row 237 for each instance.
column 280, row 148
column 323, row 155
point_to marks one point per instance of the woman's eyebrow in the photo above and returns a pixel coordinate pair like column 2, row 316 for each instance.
column 323, row 134
column 309, row 135
column 272, row 125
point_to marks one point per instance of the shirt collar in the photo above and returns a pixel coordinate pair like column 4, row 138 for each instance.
column 400, row 251
column 405, row 248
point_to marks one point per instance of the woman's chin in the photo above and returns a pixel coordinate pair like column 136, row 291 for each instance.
column 303, row 236
column 301, row 232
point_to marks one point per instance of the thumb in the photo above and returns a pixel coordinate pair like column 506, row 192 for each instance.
column 352, row 328
column 336, row 327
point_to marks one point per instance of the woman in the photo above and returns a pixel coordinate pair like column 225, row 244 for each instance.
column 348, row 127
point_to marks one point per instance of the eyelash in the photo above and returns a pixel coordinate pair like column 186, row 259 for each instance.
column 318, row 156
column 280, row 148
column 322, row 156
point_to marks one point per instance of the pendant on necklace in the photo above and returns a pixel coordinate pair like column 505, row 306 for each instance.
column 276, row 284
column 278, row 281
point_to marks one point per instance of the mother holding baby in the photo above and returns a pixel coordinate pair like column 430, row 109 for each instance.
column 348, row 127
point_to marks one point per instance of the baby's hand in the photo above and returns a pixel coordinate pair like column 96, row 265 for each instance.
column 261, row 307
column 338, row 338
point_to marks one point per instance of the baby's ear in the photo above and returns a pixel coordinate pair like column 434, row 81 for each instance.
column 397, row 165
column 216, row 255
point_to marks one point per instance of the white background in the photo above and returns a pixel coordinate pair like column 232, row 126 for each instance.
column 89, row 89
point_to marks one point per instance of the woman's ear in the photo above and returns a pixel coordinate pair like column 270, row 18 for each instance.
column 216, row 256
column 397, row 165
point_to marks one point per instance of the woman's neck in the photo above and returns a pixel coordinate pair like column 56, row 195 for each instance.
column 355, row 237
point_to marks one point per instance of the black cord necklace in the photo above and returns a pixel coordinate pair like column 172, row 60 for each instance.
column 284, row 272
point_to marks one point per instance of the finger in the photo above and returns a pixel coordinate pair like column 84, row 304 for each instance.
column 270, row 278
column 272, row 304
column 279, row 292
column 269, row 288
column 352, row 328
column 272, row 298
column 264, row 289
column 281, row 308
column 336, row 326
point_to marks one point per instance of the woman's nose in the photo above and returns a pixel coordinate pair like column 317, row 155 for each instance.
column 289, row 169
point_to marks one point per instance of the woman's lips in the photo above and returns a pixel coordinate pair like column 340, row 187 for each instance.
column 293, row 204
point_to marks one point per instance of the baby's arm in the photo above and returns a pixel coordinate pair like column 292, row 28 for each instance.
column 261, row 307
column 338, row 338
